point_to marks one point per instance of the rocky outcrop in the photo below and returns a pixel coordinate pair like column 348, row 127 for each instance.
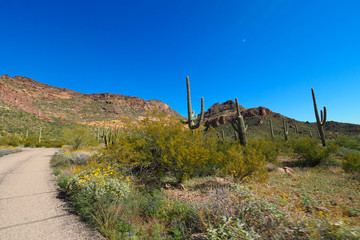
column 261, row 111
column 217, row 121
column 18, row 98
column 132, row 102
column 224, row 113
column 218, row 108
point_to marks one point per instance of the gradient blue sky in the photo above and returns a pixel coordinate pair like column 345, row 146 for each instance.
column 265, row 53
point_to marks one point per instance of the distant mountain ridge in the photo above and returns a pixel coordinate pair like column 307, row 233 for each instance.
column 24, row 101
column 66, row 106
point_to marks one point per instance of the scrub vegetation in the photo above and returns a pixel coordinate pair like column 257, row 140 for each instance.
column 161, row 180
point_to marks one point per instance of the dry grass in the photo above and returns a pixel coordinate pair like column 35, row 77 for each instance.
column 315, row 192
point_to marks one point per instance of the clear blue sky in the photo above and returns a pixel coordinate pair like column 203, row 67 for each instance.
column 265, row 53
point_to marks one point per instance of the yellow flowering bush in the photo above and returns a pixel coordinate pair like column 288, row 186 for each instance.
column 100, row 181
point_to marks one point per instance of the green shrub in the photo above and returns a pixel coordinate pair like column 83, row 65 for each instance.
column 156, row 149
column 59, row 160
column 229, row 229
column 342, row 151
column 351, row 162
column 235, row 213
column 269, row 149
column 243, row 163
column 348, row 143
column 78, row 136
column 10, row 140
column 63, row 180
column 311, row 153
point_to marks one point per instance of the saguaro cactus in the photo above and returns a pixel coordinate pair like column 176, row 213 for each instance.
column 296, row 130
column 239, row 126
column 40, row 134
column 320, row 122
column 271, row 129
column 286, row 129
column 193, row 121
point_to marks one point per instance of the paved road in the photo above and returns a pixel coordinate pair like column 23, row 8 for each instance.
column 30, row 206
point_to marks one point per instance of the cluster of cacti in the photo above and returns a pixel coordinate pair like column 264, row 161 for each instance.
column 286, row 129
column 320, row 122
column 110, row 136
column 193, row 121
column 239, row 125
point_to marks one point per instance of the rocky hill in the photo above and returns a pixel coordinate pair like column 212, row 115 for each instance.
column 65, row 106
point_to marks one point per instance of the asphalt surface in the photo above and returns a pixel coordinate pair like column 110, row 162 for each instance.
column 31, row 206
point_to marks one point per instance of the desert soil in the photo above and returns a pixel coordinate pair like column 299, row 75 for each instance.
column 31, row 206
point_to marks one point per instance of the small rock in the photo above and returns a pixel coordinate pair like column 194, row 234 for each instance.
column 288, row 170
column 198, row 236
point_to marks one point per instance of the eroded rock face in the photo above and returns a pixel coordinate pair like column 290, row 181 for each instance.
column 132, row 102
column 263, row 111
column 215, row 122
column 218, row 108
column 18, row 98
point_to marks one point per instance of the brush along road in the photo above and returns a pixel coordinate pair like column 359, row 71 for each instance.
column 30, row 206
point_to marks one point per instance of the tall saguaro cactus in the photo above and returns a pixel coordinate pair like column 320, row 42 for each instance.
column 271, row 129
column 193, row 121
column 320, row 122
column 40, row 134
column 286, row 129
column 239, row 126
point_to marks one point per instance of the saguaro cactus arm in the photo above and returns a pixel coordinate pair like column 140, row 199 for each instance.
column 320, row 121
column 193, row 121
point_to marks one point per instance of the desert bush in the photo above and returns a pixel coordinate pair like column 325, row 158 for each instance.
column 59, row 159
column 351, row 162
column 348, row 143
column 78, row 157
column 98, row 182
column 229, row 229
column 244, row 163
column 10, row 140
column 342, row 151
column 234, row 213
column 155, row 149
column 311, row 153
column 269, row 149
column 78, row 136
